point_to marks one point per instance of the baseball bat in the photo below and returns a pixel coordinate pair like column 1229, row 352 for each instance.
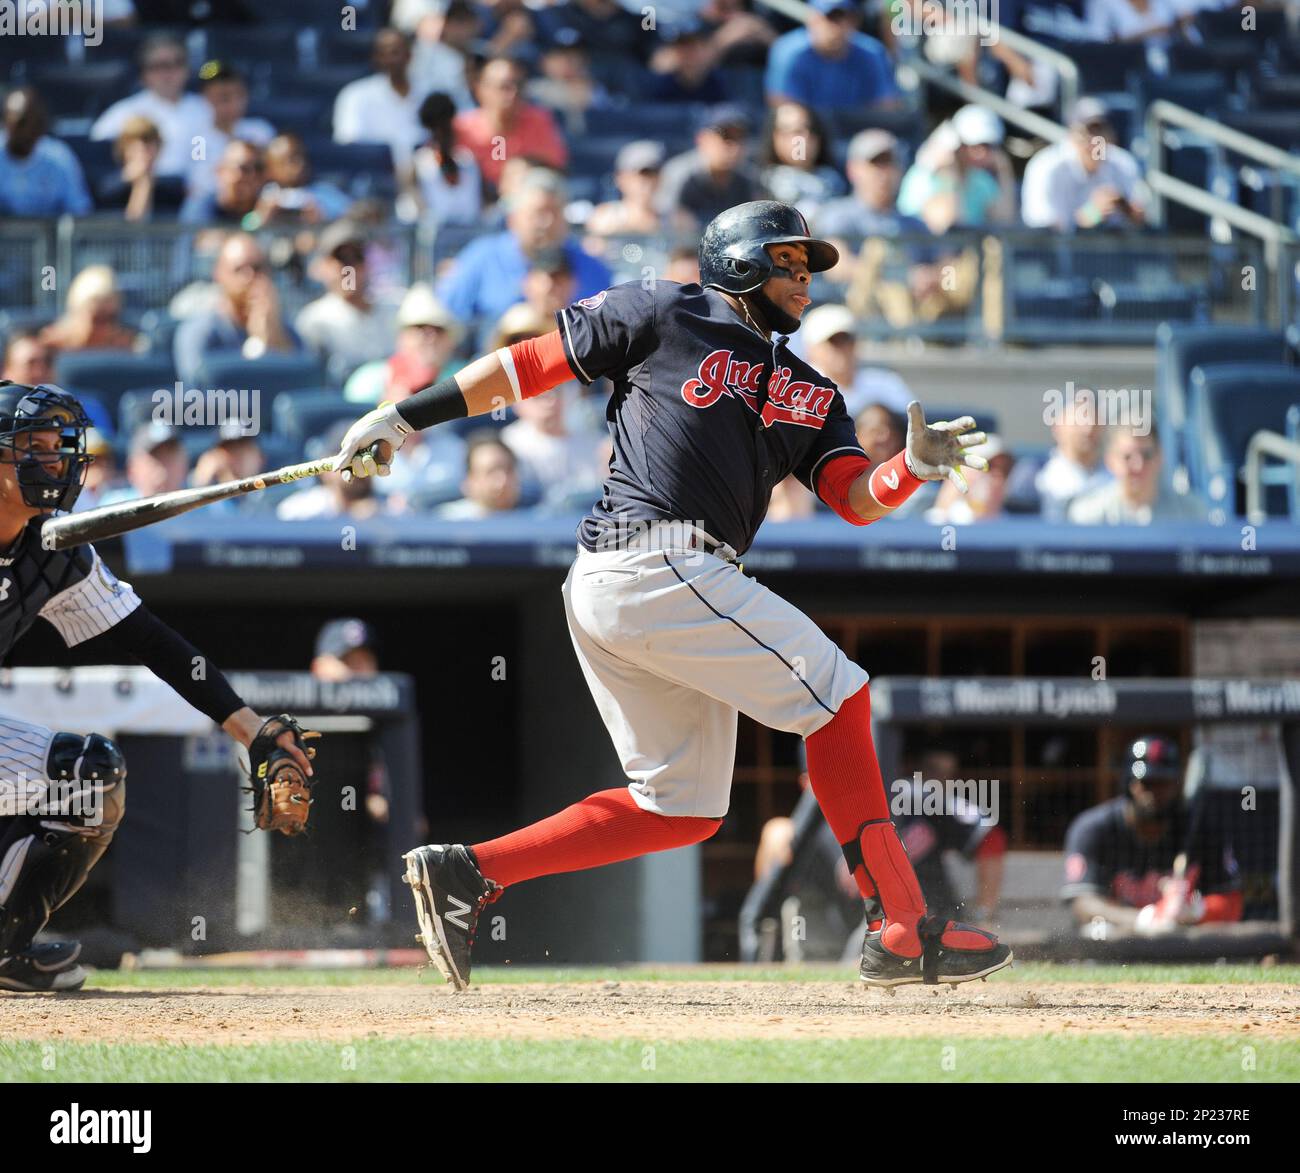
column 108, row 521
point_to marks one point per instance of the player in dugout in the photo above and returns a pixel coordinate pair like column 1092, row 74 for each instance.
column 1146, row 863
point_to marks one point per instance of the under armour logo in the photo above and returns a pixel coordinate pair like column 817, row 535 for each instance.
column 4, row 589
column 890, row 478
column 457, row 916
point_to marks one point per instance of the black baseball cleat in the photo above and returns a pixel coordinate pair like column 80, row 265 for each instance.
column 41, row 968
column 952, row 953
column 450, row 893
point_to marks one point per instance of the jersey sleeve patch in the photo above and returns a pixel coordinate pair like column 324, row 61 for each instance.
column 605, row 335
column 92, row 605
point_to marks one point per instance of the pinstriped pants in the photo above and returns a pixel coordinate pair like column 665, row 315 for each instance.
column 24, row 750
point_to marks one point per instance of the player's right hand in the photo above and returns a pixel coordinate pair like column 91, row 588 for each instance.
column 939, row 450
column 368, row 447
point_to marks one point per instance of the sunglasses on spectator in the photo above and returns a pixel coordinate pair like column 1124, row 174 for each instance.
column 885, row 159
column 165, row 63
column 731, row 134
column 252, row 267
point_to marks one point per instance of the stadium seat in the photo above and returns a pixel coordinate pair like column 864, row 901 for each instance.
column 361, row 169
column 13, row 321
column 347, row 47
column 248, row 47
column 271, row 374
column 1104, row 68
column 83, row 91
column 299, row 416
column 19, row 56
column 94, row 155
column 1233, row 57
column 1225, row 25
column 1271, row 92
column 110, row 373
column 1229, row 403
column 1200, row 92
column 1181, row 348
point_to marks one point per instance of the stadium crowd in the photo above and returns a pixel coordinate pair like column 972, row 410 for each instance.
column 491, row 128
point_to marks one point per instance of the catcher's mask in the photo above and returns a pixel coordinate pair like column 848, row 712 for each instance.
column 49, row 478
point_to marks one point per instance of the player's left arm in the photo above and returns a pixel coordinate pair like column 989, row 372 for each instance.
column 105, row 618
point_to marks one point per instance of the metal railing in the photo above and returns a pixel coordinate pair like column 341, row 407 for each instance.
column 1164, row 186
column 1266, row 444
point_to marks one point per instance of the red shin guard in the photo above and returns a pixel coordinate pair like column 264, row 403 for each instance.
column 603, row 828
column 846, row 779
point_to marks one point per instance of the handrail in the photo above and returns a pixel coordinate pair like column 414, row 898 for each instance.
column 1264, row 443
column 1007, row 111
column 1234, row 140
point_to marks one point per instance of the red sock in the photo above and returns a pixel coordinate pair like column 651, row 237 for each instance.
column 846, row 779
column 604, row 828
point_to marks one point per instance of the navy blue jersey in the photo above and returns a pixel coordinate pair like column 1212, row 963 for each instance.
column 707, row 415
column 1104, row 854
column 72, row 589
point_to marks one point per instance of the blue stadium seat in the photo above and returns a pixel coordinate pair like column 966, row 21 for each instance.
column 350, row 47
column 1232, row 57
column 94, row 155
column 299, row 416
column 271, row 374
column 134, row 407
column 110, row 373
column 1196, row 91
column 1181, row 348
column 1229, row 403
column 19, row 56
column 85, row 90
column 304, row 117
column 12, row 321
column 1226, row 25
column 248, row 46
column 361, row 169
column 1103, row 68
column 1272, row 92
column 842, row 125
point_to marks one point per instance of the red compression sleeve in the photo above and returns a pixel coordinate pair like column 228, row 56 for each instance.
column 536, row 364
column 1223, row 906
column 834, row 481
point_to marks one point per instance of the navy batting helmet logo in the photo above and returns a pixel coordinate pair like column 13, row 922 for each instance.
column 733, row 251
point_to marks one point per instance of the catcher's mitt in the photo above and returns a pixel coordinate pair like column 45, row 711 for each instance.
column 281, row 791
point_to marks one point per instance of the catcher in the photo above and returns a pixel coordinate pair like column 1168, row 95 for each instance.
column 62, row 795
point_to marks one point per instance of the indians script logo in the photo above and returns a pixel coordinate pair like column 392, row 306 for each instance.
column 788, row 401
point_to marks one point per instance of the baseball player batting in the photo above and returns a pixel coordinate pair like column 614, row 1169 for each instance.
column 62, row 795
column 710, row 410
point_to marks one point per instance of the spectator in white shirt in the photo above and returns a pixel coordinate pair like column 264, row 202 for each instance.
column 226, row 93
column 344, row 327
column 1085, row 180
column 1138, row 494
column 1072, row 468
column 184, row 120
column 384, row 107
column 1149, row 21
column 442, row 43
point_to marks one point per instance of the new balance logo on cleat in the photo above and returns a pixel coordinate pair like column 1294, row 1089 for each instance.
column 450, row 893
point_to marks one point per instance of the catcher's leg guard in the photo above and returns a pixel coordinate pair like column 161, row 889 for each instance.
column 47, row 853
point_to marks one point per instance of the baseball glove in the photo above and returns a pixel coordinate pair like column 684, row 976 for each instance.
column 281, row 791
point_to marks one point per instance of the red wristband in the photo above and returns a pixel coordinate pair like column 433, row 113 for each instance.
column 893, row 482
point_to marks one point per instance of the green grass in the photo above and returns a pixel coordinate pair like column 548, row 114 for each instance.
column 1022, row 973
column 1098, row 1057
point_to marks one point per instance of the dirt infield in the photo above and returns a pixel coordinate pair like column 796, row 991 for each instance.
column 666, row 1011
